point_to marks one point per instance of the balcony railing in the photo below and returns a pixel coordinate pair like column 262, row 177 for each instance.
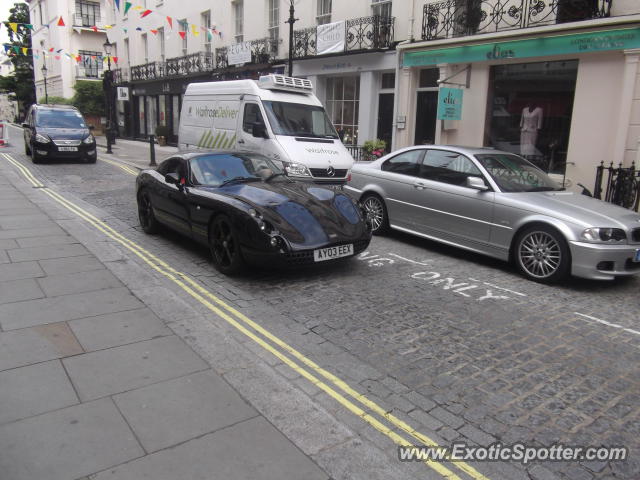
column 263, row 50
column 199, row 62
column 361, row 34
column 148, row 71
column 81, row 20
column 120, row 76
column 457, row 18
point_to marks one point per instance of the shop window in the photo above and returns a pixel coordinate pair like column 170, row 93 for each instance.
column 343, row 96
column 429, row 78
column 238, row 17
column 87, row 14
column 529, row 111
column 388, row 80
column 274, row 24
column 91, row 64
column 382, row 8
column 324, row 12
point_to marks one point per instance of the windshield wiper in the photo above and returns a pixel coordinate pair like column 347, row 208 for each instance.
column 274, row 175
column 238, row 179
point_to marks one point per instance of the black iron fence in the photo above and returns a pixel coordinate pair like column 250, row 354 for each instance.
column 263, row 50
column 121, row 75
column 359, row 154
column 148, row 71
column 199, row 62
column 457, row 18
column 365, row 33
column 621, row 186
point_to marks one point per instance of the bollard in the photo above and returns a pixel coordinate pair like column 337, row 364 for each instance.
column 152, row 152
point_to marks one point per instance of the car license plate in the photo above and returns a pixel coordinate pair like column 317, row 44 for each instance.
column 637, row 259
column 68, row 149
column 329, row 253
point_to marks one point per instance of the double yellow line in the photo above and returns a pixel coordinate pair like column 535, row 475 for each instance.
column 124, row 167
column 304, row 366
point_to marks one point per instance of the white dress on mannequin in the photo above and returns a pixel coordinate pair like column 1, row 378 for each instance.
column 530, row 123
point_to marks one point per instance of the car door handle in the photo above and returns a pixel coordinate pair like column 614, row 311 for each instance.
column 419, row 186
column 241, row 141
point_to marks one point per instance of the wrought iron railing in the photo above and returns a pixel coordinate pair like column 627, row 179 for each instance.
column 199, row 62
column 622, row 185
column 263, row 50
column 120, row 76
column 148, row 71
column 359, row 154
column 457, row 18
column 365, row 33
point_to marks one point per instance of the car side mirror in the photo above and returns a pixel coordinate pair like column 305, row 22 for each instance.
column 25, row 125
column 172, row 178
column 259, row 130
column 477, row 183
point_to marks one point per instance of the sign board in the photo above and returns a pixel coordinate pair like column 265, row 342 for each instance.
column 600, row 41
column 450, row 104
column 330, row 38
column 239, row 53
column 123, row 93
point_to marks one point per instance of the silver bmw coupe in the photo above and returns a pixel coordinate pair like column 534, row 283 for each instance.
column 498, row 204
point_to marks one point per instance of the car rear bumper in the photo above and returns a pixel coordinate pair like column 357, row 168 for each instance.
column 603, row 262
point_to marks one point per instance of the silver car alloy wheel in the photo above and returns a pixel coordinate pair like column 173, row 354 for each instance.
column 375, row 212
column 539, row 254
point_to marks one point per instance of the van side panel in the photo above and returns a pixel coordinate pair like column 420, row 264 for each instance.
column 208, row 123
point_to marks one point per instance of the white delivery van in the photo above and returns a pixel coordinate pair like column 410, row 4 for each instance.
column 277, row 116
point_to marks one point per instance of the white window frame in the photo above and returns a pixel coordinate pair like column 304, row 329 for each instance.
column 323, row 11
column 238, row 20
column 382, row 8
column 205, row 21
column 273, row 22
column 145, row 47
column 184, row 27
column 161, row 40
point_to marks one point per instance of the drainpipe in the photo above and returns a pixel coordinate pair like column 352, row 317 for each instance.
column 411, row 21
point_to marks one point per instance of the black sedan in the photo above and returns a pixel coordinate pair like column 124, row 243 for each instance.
column 247, row 211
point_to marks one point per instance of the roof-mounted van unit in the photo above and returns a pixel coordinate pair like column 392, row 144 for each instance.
column 281, row 82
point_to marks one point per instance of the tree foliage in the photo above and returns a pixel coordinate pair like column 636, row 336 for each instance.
column 20, row 82
column 89, row 98
column 53, row 100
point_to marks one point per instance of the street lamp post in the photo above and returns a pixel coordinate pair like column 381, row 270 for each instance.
column 44, row 76
column 291, row 21
column 107, row 86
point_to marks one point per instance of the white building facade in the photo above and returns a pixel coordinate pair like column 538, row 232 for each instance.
column 558, row 83
column 71, row 52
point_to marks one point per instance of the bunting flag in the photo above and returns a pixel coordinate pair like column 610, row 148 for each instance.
column 127, row 6
column 182, row 34
column 154, row 31
column 117, row 4
column 139, row 29
column 94, row 28
column 61, row 22
column 14, row 27
column 170, row 22
column 194, row 30
column 51, row 49
column 29, row 26
column 115, row 60
column 24, row 50
column 145, row 13
column 209, row 36
column 138, row 7
column 57, row 57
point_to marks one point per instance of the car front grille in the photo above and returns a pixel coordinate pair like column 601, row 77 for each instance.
column 635, row 235
column 324, row 173
column 305, row 257
column 67, row 143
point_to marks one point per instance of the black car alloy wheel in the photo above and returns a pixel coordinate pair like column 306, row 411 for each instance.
column 225, row 248
column 145, row 214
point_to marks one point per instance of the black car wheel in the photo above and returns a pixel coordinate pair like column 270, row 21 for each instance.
column 225, row 248
column 541, row 254
column 35, row 158
column 91, row 159
column 145, row 213
column 376, row 212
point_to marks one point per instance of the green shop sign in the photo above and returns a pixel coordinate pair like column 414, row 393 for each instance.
column 534, row 47
column 449, row 104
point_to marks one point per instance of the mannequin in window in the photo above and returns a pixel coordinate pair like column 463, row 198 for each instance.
column 530, row 124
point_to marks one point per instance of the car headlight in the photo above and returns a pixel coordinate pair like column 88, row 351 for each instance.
column 297, row 170
column 604, row 235
column 89, row 139
column 42, row 138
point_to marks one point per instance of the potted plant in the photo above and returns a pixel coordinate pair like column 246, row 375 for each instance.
column 162, row 133
column 374, row 148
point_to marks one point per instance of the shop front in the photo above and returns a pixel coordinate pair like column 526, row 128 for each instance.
column 343, row 83
column 563, row 101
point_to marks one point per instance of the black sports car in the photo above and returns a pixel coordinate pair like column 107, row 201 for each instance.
column 245, row 208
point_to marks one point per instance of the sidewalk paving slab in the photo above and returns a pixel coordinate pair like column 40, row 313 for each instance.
column 19, row 290
column 78, row 282
column 67, row 444
column 60, row 266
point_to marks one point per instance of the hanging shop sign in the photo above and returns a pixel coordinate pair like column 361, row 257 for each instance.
column 239, row 53
column 450, row 104
column 330, row 38
column 123, row 93
column 600, row 41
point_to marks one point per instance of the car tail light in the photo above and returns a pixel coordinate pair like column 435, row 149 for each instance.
column 349, row 177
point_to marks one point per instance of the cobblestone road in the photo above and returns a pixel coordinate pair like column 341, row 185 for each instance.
column 459, row 345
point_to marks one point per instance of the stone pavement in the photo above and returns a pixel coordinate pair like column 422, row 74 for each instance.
column 95, row 385
column 134, row 152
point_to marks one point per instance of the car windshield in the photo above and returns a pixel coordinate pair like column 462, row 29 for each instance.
column 295, row 119
column 515, row 174
column 59, row 119
column 215, row 170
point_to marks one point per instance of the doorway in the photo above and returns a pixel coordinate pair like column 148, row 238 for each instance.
column 426, row 110
column 385, row 118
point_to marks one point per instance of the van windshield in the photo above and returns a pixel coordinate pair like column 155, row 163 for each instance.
column 295, row 119
column 59, row 119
